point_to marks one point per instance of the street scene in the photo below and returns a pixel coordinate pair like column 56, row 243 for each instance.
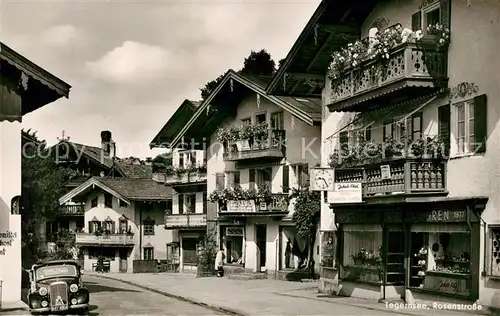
column 326, row 157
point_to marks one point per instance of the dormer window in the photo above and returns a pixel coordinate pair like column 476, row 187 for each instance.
column 108, row 200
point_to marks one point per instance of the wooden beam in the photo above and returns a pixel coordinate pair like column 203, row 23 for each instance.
column 325, row 43
column 336, row 29
column 307, row 76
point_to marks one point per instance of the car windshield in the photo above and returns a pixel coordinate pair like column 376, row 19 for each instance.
column 55, row 271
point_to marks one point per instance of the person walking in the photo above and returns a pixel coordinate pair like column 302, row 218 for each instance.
column 219, row 263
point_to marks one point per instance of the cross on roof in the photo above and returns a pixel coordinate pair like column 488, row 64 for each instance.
column 63, row 137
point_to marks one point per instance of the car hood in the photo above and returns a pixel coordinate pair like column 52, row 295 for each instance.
column 52, row 280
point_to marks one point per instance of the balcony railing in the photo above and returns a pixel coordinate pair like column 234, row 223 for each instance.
column 72, row 210
column 174, row 176
column 105, row 239
column 278, row 203
column 406, row 176
column 185, row 220
column 409, row 66
column 271, row 145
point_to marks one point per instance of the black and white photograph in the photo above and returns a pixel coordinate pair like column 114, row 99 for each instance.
column 249, row 157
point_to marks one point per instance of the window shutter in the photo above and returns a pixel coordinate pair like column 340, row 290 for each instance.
column 444, row 116
column 286, row 179
column 480, row 123
column 445, row 10
column 91, row 227
column 181, row 203
column 416, row 21
column 344, row 140
column 368, row 133
column 205, row 203
column 113, row 227
column 305, row 174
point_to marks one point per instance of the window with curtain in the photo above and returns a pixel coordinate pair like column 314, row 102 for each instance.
column 251, row 178
column 190, row 203
column 181, row 203
column 277, row 121
column 264, row 177
column 359, row 239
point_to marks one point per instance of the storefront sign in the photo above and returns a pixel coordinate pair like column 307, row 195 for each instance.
column 446, row 216
column 385, row 171
column 241, row 206
column 345, row 193
column 446, row 284
column 263, row 206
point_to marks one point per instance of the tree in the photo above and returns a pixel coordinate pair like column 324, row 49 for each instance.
column 259, row 63
column 43, row 183
column 306, row 218
column 210, row 86
column 280, row 63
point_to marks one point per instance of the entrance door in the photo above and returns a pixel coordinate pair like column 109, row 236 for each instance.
column 395, row 257
column 123, row 260
column 261, row 244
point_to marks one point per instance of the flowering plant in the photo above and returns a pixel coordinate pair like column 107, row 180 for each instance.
column 442, row 34
column 246, row 131
column 223, row 135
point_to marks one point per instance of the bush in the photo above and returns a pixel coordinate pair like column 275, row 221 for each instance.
column 207, row 251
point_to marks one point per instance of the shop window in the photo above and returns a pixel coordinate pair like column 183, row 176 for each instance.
column 362, row 253
column 189, row 251
column 233, row 244
column 93, row 203
column 494, row 251
column 149, row 253
column 440, row 258
column 149, row 227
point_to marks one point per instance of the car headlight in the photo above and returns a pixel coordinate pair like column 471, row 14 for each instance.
column 42, row 291
column 73, row 288
column 45, row 304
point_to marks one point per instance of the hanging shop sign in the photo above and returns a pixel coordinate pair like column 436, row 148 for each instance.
column 385, row 172
column 346, row 193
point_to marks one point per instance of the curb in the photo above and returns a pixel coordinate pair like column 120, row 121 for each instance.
column 22, row 307
column 182, row 298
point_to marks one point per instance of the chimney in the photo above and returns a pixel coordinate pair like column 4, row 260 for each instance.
column 107, row 145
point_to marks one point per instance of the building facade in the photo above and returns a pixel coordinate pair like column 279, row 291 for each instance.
column 24, row 88
column 258, row 147
column 421, row 109
column 124, row 222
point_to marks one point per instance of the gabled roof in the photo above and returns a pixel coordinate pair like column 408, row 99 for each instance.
column 180, row 117
column 134, row 171
column 125, row 189
column 42, row 87
column 91, row 152
column 307, row 110
column 334, row 24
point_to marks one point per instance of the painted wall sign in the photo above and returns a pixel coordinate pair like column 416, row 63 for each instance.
column 241, row 206
column 446, row 216
column 385, row 172
column 345, row 193
column 446, row 284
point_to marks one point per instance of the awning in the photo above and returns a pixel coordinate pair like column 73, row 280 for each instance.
column 398, row 112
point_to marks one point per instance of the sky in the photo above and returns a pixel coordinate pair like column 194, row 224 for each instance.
column 132, row 63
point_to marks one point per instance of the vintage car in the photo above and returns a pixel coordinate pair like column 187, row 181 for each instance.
column 56, row 286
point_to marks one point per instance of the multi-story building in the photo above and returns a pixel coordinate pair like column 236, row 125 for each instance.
column 124, row 222
column 186, row 174
column 413, row 119
column 257, row 148
column 86, row 162
column 24, row 88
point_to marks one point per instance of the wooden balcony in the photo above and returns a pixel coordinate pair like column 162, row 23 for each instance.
column 411, row 71
column 406, row 177
column 270, row 146
column 278, row 206
column 187, row 176
column 185, row 221
column 72, row 210
column 109, row 240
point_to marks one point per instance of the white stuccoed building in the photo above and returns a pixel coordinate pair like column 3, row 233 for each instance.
column 24, row 88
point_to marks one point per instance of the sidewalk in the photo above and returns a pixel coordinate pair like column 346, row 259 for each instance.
column 8, row 307
column 261, row 297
